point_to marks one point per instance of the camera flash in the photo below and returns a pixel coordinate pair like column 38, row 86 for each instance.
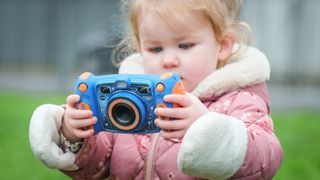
column 121, row 84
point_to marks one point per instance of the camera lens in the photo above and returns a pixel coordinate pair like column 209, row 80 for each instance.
column 126, row 112
column 123, row 114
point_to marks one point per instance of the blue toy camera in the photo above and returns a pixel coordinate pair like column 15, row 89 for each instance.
column 125, row 103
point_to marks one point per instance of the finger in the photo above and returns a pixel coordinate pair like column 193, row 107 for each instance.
column 78, row 114
column 180, row 99
column 171, row 125
column 171, row 112
column 172, row 134
column 73, row 99
column 100, row 174
column 80, row 133
column 83, row 123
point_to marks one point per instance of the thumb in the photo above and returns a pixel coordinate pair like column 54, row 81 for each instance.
column 72, row 100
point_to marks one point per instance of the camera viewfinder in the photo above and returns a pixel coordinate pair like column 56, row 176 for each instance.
column 143, row 89
column 105, row 89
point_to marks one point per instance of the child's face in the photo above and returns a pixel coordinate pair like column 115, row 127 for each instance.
column 192, row 52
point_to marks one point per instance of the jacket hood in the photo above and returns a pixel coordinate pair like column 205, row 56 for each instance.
column 247, row 68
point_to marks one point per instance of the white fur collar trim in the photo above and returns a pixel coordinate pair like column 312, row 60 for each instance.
column 248, row 68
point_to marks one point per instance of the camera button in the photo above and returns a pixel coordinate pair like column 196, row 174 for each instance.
column 160, row 87
column 102, row 98
column 84, row 106
column 83, row 87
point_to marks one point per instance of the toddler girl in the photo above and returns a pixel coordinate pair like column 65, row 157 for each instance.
column 222, row 128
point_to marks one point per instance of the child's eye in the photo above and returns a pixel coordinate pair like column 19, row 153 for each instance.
column 186, row 45
column 155, row 49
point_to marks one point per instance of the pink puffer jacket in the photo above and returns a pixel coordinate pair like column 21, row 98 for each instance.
column 235, row 140
column 126, row 156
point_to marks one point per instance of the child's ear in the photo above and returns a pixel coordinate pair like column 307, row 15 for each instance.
column 226, row 47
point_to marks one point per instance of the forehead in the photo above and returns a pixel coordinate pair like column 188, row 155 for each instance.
column 175, row 20
column 176, row 15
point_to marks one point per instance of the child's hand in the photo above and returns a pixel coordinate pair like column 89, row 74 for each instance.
column 191, row 109
column 76, row 120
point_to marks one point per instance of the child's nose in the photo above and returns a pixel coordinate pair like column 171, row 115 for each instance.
column 170, row 62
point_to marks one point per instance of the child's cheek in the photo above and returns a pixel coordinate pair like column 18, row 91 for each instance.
column 189, row 84
column 151, row 67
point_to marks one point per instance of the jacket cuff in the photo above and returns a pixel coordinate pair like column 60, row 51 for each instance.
column 214, row 147
column 44, row 138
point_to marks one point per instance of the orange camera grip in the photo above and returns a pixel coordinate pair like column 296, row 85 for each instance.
column 178, row 89
column 163, row 117
column 85, row 106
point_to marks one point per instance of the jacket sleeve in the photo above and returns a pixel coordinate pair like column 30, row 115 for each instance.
column 238, row 144
column 213, row 147
column 91, row 162
column 94, row 157
column 44, row 138
column 264, row 153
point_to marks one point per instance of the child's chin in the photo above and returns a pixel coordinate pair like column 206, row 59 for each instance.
column 187, row 87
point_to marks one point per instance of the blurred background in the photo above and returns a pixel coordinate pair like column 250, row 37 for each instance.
column 45, row 44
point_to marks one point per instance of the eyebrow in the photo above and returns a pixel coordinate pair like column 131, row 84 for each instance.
column 189, row 36
column 177, row 39
column 150, row 41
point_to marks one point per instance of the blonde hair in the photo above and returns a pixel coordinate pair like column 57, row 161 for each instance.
column 222, row 14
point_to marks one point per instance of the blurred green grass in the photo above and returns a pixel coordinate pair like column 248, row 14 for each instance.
column 297, row 131
column 16, row 157
column 299, row 135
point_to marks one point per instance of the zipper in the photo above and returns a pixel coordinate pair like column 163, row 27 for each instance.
column 151, row 156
